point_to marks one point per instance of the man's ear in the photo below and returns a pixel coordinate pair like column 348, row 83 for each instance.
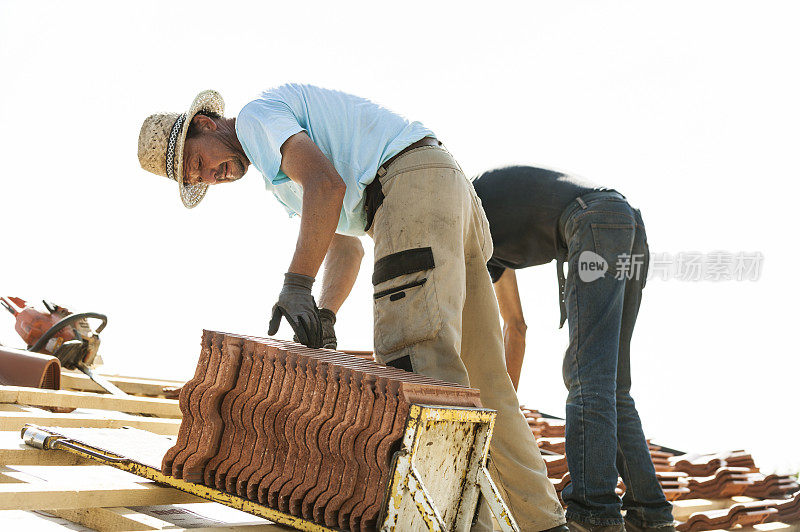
column 204, row 123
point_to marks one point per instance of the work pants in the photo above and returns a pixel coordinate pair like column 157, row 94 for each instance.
column 436, row 314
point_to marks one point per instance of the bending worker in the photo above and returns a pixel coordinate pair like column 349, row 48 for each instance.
column 539, row 215
column 350, row 167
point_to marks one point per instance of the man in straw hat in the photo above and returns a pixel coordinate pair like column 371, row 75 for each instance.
column 351, row 167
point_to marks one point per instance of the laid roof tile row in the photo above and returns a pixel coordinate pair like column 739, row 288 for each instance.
column 703, row 465
column 309, row 432
column 745, row 514
column 709, row 476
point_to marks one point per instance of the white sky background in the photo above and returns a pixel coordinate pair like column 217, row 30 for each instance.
column 688, row 108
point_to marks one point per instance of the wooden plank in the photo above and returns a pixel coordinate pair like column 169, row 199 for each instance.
column 17, row 420
column 57, row 496
column 22, row 520
column 206, row 516
column 135, row 385
column 111, row 519
column 69, row 399
column 13, row 451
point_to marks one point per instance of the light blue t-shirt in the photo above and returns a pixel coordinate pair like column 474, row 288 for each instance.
column 355, row 134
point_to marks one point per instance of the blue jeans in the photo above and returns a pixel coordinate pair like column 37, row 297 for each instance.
column 604, row 437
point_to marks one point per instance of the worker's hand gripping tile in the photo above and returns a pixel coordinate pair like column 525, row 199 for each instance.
column 210, row 404
column 233, row 400
column 194, row 405
column 184, row 402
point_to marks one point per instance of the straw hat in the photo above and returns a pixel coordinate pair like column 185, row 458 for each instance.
column 161, row 141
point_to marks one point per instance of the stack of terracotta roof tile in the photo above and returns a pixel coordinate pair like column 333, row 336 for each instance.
column 788, row 510
column 745, row 514
column 309, row 432
column 661, row 458
column 556, row 465
column 767, row 486
column 683, row 476
column 543, row 427
column 725, row 482
column 560, row 483
column 703, row 465
column 733, row 481
column 674, row 484
column 552, row 445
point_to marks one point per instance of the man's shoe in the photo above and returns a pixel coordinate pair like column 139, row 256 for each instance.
column 575, row 526
column 631, row 527
column 559, row 528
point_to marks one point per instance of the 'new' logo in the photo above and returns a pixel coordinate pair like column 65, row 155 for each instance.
column 591, row 266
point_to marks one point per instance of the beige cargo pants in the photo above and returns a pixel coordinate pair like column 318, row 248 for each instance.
column 434, row 303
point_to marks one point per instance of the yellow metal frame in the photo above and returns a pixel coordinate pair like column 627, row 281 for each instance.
column 406, row 478
column 204, row 492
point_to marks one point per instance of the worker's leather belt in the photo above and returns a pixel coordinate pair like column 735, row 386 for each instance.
column 426, row 141
column 373, row 194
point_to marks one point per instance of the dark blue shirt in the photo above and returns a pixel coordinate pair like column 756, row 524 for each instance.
column 523, row 205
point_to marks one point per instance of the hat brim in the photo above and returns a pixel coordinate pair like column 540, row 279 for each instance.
column 208, row 101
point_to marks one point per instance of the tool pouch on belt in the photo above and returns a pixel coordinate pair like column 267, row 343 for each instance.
column 32, row 370
column 373, row 198
column 406, row 307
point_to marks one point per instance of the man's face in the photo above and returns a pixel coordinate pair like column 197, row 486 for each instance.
column 207, row 158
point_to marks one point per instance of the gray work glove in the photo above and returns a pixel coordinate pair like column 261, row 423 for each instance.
column 296, row 304
column 328, row 319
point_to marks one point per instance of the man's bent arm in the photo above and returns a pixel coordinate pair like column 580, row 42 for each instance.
column 323, row 193
column 514, row 327
column 341, row 269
